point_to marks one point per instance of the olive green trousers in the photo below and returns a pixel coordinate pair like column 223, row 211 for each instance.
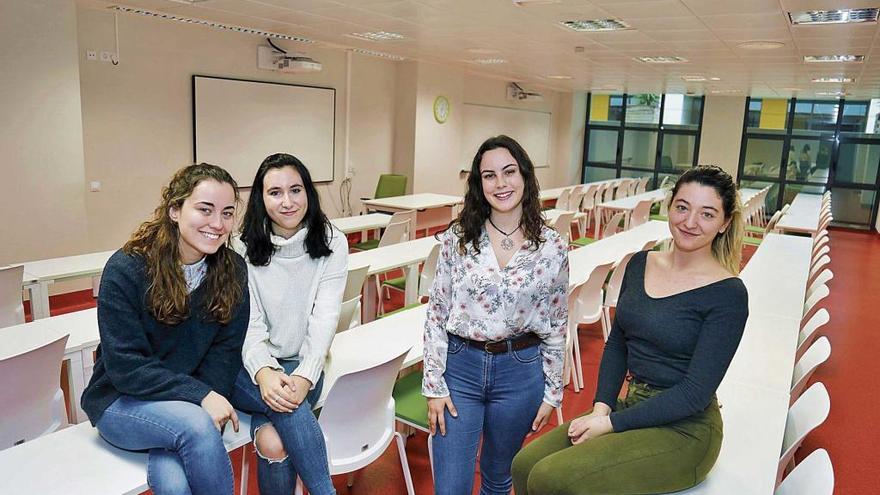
column 660, row 459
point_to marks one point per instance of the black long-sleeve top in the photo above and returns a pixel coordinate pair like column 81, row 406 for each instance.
column 682, row 344
column 149, row 360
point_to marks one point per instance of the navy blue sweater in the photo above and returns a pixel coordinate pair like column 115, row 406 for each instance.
column 682, row 343
column 143, row 358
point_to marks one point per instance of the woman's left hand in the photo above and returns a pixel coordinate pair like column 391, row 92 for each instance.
column 591, row 427
column 301, row 389
column 542, row 417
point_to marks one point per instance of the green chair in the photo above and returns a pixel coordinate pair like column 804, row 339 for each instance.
column 390, row 185
column 411, row 407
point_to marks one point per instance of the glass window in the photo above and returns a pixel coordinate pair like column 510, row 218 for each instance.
column 792, row 190
column 770, row 201
column 643, row 109
column 767, row 115
column 763, row 157
column 595, row 174
column 677, row 154
column 815, row 117
column 852, row 205
column 808, row 160
column 857, row 163
column 606, row 109
column 639, row 149
column 682, row 111
column 860, row 118
column 638, row 174
column 603, row 146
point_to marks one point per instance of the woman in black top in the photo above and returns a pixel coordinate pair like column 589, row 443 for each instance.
column 681, row 315
column 172, row 314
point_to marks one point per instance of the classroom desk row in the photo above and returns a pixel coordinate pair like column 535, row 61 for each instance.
column 803, row 214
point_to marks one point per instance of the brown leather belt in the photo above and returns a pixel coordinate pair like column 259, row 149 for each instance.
column 501, row 346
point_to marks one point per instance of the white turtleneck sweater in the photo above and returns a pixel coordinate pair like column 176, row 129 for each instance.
column 295, row 302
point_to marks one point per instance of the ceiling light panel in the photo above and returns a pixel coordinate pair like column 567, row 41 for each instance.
column 379, row 36
column 661, row 60
column 834, row 58
column 834, row 79
column 693, row 78
column 373, row 53
column 592, row 25
column 489, row 61
column 842, row 16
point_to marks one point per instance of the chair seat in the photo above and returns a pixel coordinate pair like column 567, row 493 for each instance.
column 398, row 310
column 396, row 282
column 583, row 241
column 366, row 245
column 752, row 241
column 409, row 403
column 662, row 218
column 755, row 229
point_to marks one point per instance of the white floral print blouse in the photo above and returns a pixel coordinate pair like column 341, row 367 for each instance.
column 473, row 298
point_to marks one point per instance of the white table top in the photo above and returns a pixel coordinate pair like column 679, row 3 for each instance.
column 765, row 356
column 359, row 223
column 630, row 202
column 394, row 256
column 552, row 214
column 803, row 214
column 421, row 201
column 82, row 265
column 776, row 276
column 583, row 260
column 81, row 325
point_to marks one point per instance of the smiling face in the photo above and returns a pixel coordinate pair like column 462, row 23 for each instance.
column 502, row 181
column 204, row 219
column 696, row 216
column 286, row 201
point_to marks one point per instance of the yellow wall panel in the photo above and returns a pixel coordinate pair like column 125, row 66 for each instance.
column 773, row 113
column 599, row 107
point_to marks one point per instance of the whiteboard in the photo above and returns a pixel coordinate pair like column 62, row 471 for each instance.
column 237, row 124
column 530, row 128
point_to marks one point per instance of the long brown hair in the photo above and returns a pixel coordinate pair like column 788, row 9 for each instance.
column 470, row 222
column 157, row 242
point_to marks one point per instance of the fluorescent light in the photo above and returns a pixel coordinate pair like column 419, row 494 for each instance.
column 661, row 60
column 489, row 61
column 378, row 54
column 693, row 78
column 841, row 16
column 833, row 58
column 521, row 3
column 760, row 45
column 714, row 78
column 483, row 51
column 726, row 91
column 558, row 76
column 378, row 36
column 831, row 93
column 210, row 24
column 835, row 79
column 596, row 25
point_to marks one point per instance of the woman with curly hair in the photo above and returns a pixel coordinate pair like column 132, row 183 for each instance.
column 172, row 315
column 496, row 324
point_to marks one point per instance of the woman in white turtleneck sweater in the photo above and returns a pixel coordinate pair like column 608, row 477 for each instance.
column 297, row 268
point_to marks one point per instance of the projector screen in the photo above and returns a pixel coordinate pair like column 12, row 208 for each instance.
column 237, row 123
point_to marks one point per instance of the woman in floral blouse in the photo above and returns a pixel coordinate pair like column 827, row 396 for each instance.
column 495, row 331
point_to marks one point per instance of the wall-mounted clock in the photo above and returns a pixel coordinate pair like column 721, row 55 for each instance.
column 441, row 109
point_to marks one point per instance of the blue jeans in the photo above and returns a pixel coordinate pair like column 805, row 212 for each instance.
column 187, row 454
column 497, row 397
column 300, row 434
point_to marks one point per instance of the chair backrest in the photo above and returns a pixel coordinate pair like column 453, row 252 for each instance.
column 808, row 331
column 633, row 185
column 33, row 402
column 818, row 264
column 609, row 192
column 395, row 232
column 613, row 225
column 823, row 277
column 11, row 307
column 589, row 200
column 346, row 313
column 354, row 284
column 820, row 243
column 785, row 208
column 817, row 354
column 585, row 300
column 808, row 412
column 562, row 226
column 400, row 216
column 813, row 476
column 622, row 189
column 818, row 253
column 612, row 288
column 664, row 182
column 577, row 197
column 819, row 293
column 390, row 185
column 773, row 221
column 429, row 270
column 642, row 186
column 358, row 416
column 563, row 199
column 641, row 213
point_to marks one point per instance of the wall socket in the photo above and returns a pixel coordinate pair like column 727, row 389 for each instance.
column 91, row 55
column 106, row 56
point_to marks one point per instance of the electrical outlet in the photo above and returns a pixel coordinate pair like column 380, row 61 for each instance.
column 91, row 55
column 95, row 186
column 106, row 56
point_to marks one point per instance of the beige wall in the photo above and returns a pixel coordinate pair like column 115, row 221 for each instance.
column 41, row 135
column 722, row 132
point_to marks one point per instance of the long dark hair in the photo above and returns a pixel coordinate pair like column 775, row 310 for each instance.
column 157, row 241
column 470, row 222
column 727, row 245
column 256, row 226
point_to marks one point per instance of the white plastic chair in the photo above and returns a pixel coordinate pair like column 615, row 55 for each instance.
column 808, row 412
column 585, row 306
column 358, row 418
column 808, row 332
column 817, row 354
column 346, row 313
column 612, row 290
column 33, row 403
column 641, row 213
column 642, row 186
column 562, row 226
column 563, row 199
column 819, row 293
column 820, row 243
column 608, row 194
column 354, row 286
column 818, row 253
column 429, row 271
column 820, row 279
column 11, row 307
column 632, row 186
column 588, row 204
column 817, row 265
column 813, row 476
column 622, row 189
column 613, row 225
column 395, row 233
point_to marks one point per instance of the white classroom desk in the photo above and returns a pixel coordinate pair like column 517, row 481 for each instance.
column 628, row 204
column 803, row 214
column 555, row 192
column 38, row 275
column 583, row 260
column 361, row 223
column 431, row 209
column 552, row 214
column 776, row 275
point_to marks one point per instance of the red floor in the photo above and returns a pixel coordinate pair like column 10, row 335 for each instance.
column 849, row 374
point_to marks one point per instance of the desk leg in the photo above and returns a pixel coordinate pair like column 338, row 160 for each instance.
column 412, row 284
column 39, row 294
column 75, row 379
column 370, row 298
column 598, row 215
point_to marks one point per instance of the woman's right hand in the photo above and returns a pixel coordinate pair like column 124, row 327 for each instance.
column 436, row 416
column 220, row 410
column 578, row 426
column 276, row 389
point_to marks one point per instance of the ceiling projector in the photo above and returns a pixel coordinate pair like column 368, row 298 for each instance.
column 270, row 59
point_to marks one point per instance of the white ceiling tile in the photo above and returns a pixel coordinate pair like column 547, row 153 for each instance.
column 691, row 36
column 641, row 10
column 710, row 7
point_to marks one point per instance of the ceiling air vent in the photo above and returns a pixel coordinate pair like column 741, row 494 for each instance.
column 841, row 16
column 596, row 25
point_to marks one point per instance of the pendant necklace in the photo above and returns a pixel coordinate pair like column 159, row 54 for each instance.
column 507, row 242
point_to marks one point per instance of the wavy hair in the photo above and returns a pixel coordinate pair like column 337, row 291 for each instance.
column 470, row 222
column 157, row 241
column 256, row 227
column 727, row 245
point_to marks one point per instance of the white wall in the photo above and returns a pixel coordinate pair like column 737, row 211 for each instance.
column 41, row 134
column 722, row 132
